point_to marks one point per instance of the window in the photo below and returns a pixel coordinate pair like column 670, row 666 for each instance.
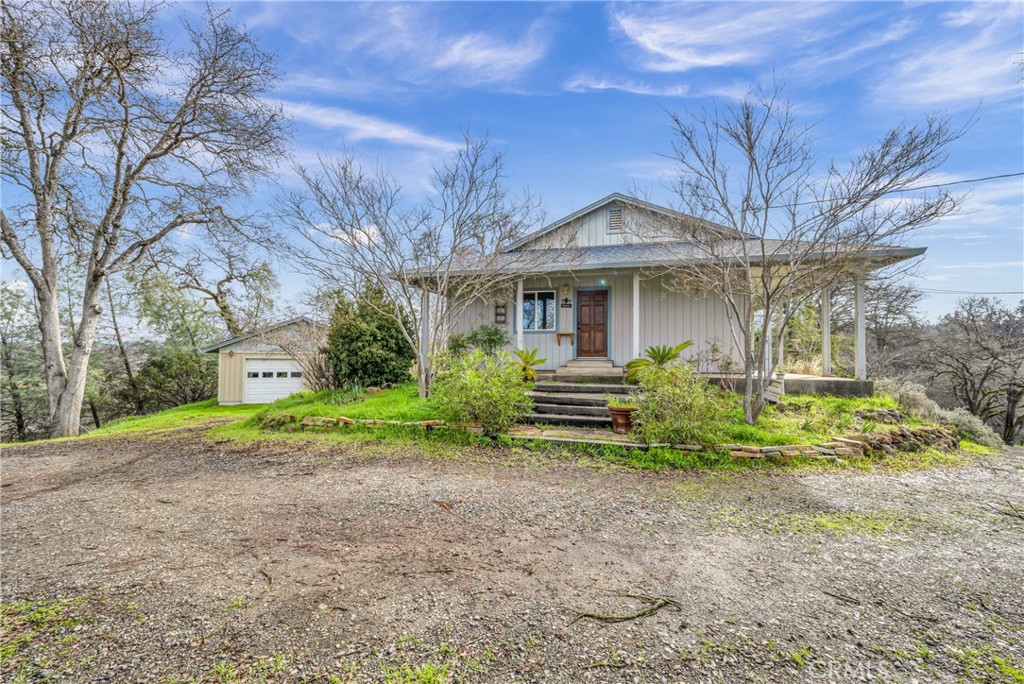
column 539, row 310
column 282, row 374
column 614, row 219
column 268, row 374
column 296, row 374
column 252, row 374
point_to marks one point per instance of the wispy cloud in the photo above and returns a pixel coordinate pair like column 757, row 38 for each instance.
column 482, row 58
column 680, row 37
column 583, row 84
column 358, row 127
column 977, row 59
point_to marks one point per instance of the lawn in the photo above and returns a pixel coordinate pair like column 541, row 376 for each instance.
column 799, row 419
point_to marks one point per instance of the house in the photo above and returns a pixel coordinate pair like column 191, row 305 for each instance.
column 265, row 365
column 594, row 293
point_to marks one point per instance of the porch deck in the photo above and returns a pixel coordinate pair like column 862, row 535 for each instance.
column 795, row 383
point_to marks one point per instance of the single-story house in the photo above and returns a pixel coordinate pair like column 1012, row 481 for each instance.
column 594, row 292
column 263, row 366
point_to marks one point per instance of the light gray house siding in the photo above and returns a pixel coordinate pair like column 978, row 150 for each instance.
column 666, row 317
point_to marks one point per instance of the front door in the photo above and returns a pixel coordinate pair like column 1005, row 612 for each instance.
column 591, row 323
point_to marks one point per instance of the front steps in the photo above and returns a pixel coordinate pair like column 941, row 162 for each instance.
column 572, row 403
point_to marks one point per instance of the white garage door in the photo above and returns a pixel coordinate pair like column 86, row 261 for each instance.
column 267, row 380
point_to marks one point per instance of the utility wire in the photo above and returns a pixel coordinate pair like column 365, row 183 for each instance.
column 922, row 187
column 966, row 292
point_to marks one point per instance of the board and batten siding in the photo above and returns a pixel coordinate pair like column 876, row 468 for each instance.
column 666, row 317
column 592, row 230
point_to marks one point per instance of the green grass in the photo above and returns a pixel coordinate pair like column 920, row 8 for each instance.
column 401, row 402
column 181, row 416
column 803, row 420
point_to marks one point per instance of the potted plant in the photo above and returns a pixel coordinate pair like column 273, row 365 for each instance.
column 622, row 414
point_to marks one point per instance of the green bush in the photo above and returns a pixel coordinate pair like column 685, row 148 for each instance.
column 175, row 379
column 365, row 344
column 481, row 388
column 674, row 404
column 487, row 338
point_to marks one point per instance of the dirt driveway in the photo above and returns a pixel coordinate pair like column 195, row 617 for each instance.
column 178, row 559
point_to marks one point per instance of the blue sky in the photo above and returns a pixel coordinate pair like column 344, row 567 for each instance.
column 576, row 94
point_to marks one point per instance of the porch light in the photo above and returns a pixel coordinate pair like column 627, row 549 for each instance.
column 602, row 282
column 565, row 292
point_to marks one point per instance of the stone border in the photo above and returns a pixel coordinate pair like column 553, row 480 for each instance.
column 838, row 449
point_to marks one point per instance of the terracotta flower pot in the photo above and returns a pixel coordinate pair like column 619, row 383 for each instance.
column 622, row 418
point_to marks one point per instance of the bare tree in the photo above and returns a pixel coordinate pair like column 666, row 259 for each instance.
column 112, row 141
column 893, row 323
column 978, row 350
column 304, row 343
column 230, row 271
column 771, row 228
column 358, row 230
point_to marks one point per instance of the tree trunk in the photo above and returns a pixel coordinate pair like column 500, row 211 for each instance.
column 65, row 386
column 139, row 404
column 95, row 414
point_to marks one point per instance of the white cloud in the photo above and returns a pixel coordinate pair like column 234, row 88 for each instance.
column 680, row 37
column 582, row 84
column 359, row 127
column 978, row 59
column 481, row 58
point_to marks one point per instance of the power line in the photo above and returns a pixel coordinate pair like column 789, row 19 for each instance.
column 966, row 292
column 923, row 187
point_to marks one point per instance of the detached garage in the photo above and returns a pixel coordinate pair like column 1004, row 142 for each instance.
column 260, row 367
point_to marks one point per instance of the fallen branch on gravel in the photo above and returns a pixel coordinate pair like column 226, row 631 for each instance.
column 1011, row 511
column 654, row 604
column 843, row 598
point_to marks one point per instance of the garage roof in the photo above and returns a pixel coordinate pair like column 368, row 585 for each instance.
column 262, row 331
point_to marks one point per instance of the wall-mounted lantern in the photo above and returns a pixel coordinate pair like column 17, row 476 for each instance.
column 500, row 316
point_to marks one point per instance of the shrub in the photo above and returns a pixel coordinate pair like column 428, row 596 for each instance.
column 527, row 359
column 365, row 343
column 674, row 404
column 482, row 388
column 488, row 338
column 913, row 398
column 655, row 355
column 177, row 378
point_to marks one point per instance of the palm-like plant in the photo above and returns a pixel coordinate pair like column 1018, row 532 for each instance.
column 656, row 355
column 527, row 360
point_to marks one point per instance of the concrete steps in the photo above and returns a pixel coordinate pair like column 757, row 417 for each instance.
column 574, row 403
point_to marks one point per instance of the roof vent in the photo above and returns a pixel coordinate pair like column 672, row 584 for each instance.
column 615, row 218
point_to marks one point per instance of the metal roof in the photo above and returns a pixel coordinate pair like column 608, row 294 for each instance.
column 643, row 255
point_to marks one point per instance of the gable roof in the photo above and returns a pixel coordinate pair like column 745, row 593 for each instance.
column 616, row 198
column 254, row 333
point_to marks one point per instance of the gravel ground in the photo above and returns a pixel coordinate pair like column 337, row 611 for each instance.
column 178, row 559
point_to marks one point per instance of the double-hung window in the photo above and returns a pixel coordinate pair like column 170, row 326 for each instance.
column 539, row 310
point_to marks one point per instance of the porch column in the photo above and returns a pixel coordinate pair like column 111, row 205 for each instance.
column 425, row 334
column 767, row 346
column 519, row 314
column 636, row 315
column 860, row 334
column 826, row 332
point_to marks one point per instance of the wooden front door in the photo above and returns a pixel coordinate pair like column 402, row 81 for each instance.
column 591, row 323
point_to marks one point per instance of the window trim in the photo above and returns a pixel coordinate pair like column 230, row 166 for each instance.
column 554, row 303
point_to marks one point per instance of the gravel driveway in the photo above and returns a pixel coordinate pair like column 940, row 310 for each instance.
column 178, row 559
